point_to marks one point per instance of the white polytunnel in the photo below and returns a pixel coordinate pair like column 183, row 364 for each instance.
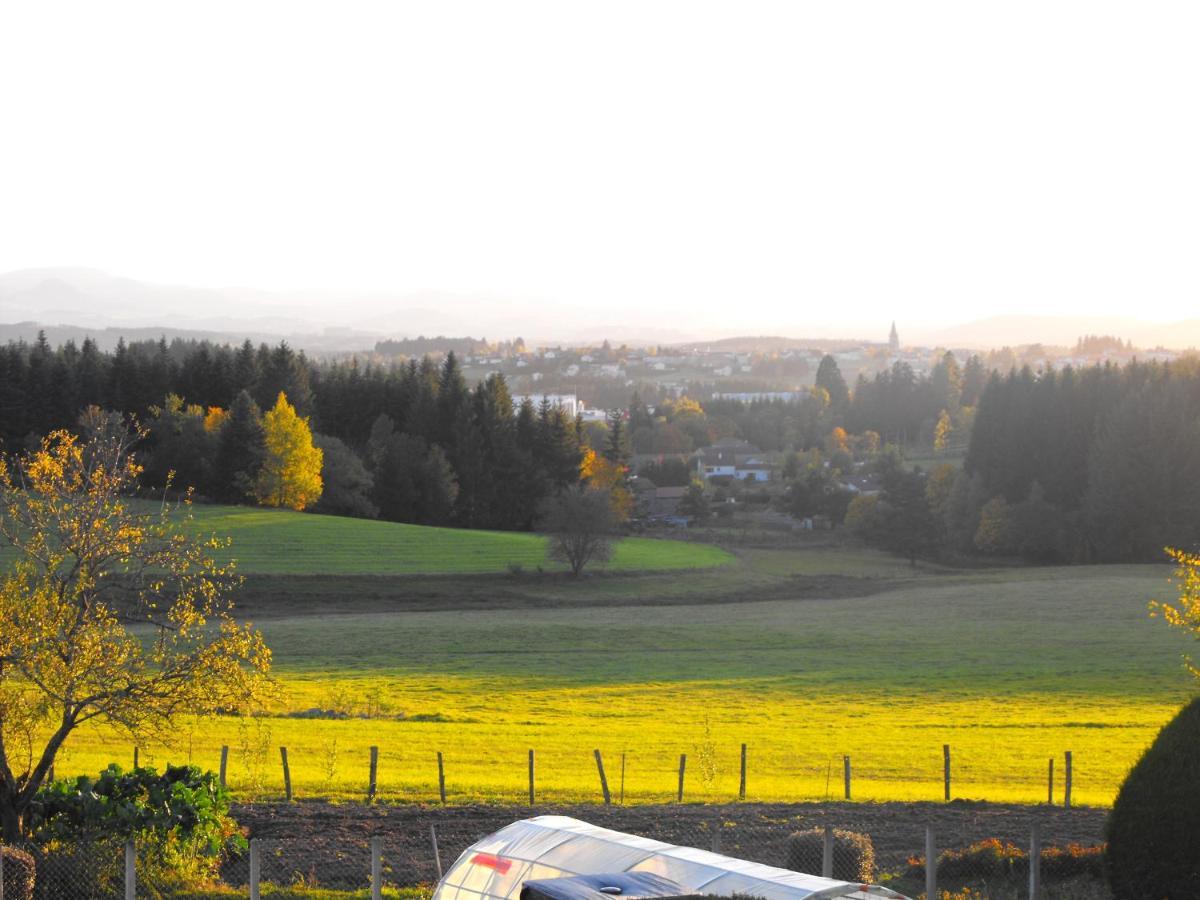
column 547, row 847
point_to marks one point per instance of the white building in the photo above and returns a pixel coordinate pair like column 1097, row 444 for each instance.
column 568, row 403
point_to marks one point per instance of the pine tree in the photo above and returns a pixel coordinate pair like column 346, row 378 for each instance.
column 240, row 451
column 829, row 379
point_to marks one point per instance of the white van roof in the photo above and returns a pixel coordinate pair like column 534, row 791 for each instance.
column 559, row 846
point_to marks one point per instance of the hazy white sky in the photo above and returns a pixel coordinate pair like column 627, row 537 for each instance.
column 749, row 163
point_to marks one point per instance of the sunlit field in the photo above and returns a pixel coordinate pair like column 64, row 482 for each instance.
column 281, row 542
column 805, row 655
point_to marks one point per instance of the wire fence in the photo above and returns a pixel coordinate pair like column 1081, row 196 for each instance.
column 1026, row 861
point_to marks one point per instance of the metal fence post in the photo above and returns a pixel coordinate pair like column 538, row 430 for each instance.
column 827, row 853
column 1035, row 863
column 377, row 868
column 255, row 868
column 930, row 865
column 130, row 871
column 437, row 856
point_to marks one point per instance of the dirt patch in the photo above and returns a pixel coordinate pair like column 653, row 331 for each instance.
column 335, row 838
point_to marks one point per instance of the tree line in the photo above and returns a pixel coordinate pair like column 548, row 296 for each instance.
column 1099, row 464
column 407, row 442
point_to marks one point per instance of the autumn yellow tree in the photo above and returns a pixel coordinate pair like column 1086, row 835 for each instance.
column 608, row 477
column 291, row 470
column 1185, row 612
column 111, row 612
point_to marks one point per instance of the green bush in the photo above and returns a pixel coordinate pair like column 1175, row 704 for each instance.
column 179, row 821
column 19, row 872
column 1153, row 828
column 853, row 854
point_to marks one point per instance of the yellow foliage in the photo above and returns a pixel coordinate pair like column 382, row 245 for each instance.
column 1185, row 613
column 214, row 419
column 88, row 568
column 587, row 464
column 600, row 473
column 836, row 440
column 291, row 471
column 941, row 431
column 992, row 535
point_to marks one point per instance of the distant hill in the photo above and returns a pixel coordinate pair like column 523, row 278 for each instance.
column 773, row 344
column 1012, row 331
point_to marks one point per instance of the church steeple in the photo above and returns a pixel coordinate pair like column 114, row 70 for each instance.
column 894, row 339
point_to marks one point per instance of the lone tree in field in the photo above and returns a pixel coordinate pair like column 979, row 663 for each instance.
column 580, row 522
column 110, row 612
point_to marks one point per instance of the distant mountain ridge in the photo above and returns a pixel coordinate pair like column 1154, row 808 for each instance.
column 71, row 303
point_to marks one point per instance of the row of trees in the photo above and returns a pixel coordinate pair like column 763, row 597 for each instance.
column 1094, row 465
column 42, row 388
column 410, row 443
column 1103, row 462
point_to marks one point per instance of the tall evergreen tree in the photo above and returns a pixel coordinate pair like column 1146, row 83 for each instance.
column 240, row 451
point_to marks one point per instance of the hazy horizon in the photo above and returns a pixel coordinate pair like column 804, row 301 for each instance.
column 665, row 169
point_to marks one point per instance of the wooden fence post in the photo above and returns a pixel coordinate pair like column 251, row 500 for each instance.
column 930, row 864
column 437, row 856
column 255, row 868
column 135, row 757
column 827, row 853
column 603, row 780
column 130, row 871
column 376, row 868
column 224, row 764
column 946, row 769
column 1050, row 784
column 373, row 782
column 287, row 775
column 716, row 837
column 1067, row 782
column 1035, row 864
column 742, row 782
column 682, row 769
column 441, row 778
column 846, row 774
column 531, row 792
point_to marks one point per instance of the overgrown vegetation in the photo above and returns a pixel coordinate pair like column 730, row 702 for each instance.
column 179, row 820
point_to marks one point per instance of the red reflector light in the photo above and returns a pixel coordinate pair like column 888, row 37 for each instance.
column 492, row 862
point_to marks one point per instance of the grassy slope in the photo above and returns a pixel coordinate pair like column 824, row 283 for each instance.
column 275, row 542
column 281, row 542
column 1010, row 667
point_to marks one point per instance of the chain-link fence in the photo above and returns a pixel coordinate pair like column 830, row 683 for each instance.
column 973, row 858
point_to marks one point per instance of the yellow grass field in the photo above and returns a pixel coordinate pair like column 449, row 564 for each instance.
column 805, row 654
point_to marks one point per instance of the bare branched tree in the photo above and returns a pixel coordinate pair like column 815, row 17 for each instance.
column 580, row 522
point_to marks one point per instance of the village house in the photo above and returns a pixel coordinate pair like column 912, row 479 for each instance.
column 732, row 458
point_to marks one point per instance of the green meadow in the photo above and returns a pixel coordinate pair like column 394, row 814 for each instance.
column 804, row 652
